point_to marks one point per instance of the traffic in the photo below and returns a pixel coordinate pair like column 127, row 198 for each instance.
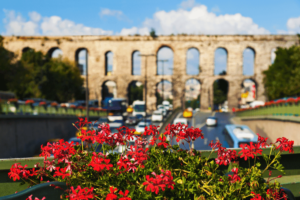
column 215, row 126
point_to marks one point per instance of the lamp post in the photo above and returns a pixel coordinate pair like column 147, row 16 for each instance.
column 146, row 56
column 87, row 87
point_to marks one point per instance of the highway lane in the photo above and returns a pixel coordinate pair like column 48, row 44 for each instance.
column 210, row 133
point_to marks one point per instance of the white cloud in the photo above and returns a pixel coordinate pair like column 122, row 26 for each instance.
column 198, row 20
column 54, row 25
column 135, row 30
column 293, row 25
column 188, row 4
column 15, row 24
column 114, row 13
column 34, row 16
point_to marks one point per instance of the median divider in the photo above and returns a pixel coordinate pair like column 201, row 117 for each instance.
column 169, row 119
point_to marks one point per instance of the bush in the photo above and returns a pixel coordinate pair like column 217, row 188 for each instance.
column 163, row 171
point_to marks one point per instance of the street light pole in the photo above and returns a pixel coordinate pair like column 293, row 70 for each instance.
column 146, row 56
column 87, row 87
column 163, row 86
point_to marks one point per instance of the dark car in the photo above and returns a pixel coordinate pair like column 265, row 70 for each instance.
column 131, row 120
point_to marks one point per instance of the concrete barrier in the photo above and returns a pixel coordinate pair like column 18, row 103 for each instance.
column 273, row 127
column 22, row 136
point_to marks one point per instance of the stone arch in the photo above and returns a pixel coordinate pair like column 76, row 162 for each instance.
column 164, row 91
column 136, row 63
column 273, row 54
column 220, row 61
column 192, row 61
column 220, row 93
column 165, row 61
column 54, row 52
column 109, row 90
column 25, row 49
column 81, row 60
column 248, row 61
column 135, row 91
column 109, row 59
column 192, row 93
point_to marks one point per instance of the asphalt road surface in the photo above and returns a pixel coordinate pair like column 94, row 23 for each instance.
column 210, row 133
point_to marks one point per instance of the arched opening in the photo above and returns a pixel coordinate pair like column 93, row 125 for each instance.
column 164, row 61
column 220, row 91
column 109, row 63
column 192, row 61
column 220, row 61
column 136, row 63
column 248, row 92
column 26, row 49
column 273, row 55
column 81, row 57
column 135, row 91
column 109, row 91
column 164, row 92
column 55, row 52
column 192, row 93
column 248, row 61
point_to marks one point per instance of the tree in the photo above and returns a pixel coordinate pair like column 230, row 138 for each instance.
column 152, row 33
column 282, row 79
column 136, row 93
column 220, row 91
column 6, row 72
column 36, row 75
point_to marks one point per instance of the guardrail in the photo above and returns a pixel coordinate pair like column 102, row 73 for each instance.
column 289, row 107
column 290, row 180
column 13, row 108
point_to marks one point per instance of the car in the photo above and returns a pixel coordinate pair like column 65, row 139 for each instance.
column 211, row 121
column 181, row 120
column 102, row 120
column 188, row 113
column 140, row 128
column 116, row 123
column 157, row 116
column 113, row 117
column 131, row 120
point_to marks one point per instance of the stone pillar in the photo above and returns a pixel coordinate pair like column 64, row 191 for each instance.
column 234, row 60
column 206, row 94
column 179, row 71
column 234, row 92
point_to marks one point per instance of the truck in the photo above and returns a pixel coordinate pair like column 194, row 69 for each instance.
column 139, row 109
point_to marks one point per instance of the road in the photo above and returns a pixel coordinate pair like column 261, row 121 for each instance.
column 210, row 133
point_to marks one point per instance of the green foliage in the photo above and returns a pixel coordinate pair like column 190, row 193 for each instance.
column 282, row 79
column 135, row 93
column 195, row 103
column 36, row 75
column 152, row 33
column 220, row 91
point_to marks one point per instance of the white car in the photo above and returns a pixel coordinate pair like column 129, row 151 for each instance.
column 211, row 121
column 140, row 128
column 114, row 117
column 181, row 120
column 157, row 116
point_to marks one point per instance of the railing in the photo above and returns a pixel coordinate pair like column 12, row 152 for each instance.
column 290, row 180
column 13, row 108
column 289, row 107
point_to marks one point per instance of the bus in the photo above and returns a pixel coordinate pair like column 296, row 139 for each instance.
column 139, row 108
column 237, row 135
column 116, row 108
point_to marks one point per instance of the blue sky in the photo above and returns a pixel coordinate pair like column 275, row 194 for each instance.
column 131, row 16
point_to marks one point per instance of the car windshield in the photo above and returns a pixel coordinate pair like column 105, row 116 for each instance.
column 139, row 108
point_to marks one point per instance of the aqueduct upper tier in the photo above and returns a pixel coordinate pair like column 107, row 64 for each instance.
column 124, row 46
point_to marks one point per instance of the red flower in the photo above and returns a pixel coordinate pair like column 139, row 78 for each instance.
column 17, row 171
column 124, row 195
column 152, row 130
column 61, row 172
column 285, row 145
column 81, row 194
column 99, row 164
column 111, row 195
column 163, row 141
column 30, row 198
column 160, row 181
column 256, row 196
column 235, row 177
column 249, row 150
